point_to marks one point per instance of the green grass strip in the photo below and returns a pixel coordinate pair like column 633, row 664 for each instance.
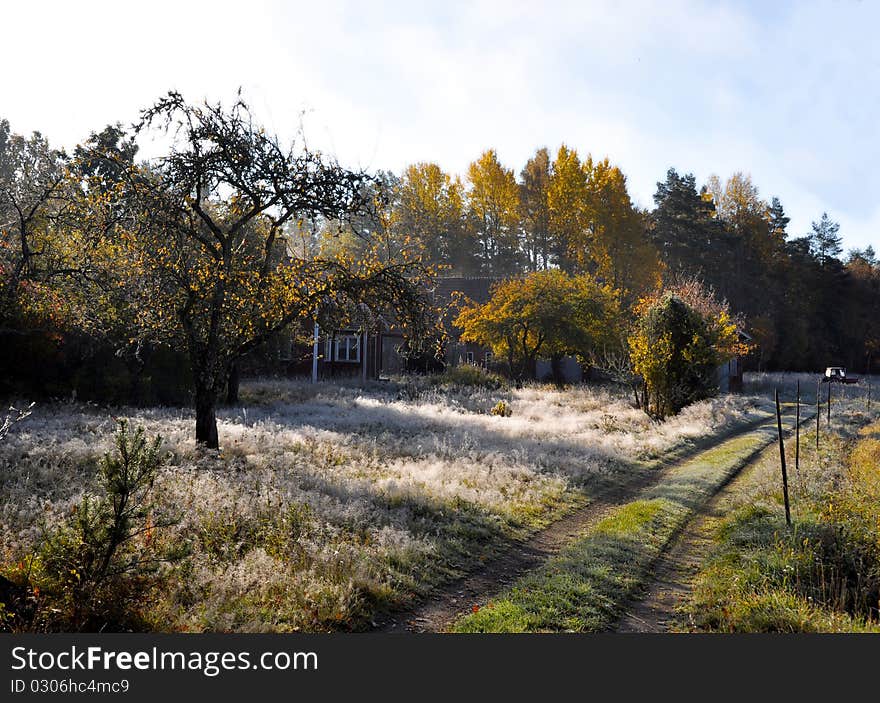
column 587, row 585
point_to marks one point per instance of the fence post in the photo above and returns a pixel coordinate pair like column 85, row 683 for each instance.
column 782, row 461
column 315, row 355
column 829, row 403
column 797, row 435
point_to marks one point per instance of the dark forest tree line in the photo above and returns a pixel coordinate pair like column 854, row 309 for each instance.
column 186, row 251
column 806, row 303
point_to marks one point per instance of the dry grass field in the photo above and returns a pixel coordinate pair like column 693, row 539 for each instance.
column 330, row 502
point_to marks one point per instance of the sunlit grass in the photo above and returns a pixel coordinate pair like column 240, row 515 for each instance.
column 397, row 487
column 587, row 586
column 822, row 574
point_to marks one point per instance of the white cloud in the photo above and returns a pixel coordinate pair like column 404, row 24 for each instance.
column 705, row 87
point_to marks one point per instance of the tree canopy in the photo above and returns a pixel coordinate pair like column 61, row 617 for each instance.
column 199, row 253
column 546, row 314
column 677, row 347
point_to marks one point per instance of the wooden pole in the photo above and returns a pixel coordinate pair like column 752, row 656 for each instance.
column 829, row 402
column 797, row 434
column 364, row 359
column 782, row 460
column 333, row 354
column 315, row 356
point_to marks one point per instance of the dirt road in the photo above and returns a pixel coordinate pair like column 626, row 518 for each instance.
column 447, row 603
column 678, row 565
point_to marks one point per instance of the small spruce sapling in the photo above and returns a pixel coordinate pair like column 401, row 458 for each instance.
column 99, row 563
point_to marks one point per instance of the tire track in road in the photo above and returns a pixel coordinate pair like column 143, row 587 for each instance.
column 448, row 602
column 678, row 564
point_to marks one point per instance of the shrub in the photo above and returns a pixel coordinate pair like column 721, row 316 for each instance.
column 676, row 351
column 95, row 569
column 501, row 409
column 468, row 375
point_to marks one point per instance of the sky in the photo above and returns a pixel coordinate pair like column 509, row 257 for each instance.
column 787, row 92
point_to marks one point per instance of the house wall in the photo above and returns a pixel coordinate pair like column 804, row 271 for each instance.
column 570, row 367
column 370, row 355
column 729, row 376
column 458, row 353
column 390, row 362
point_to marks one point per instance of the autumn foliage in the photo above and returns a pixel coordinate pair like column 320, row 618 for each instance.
column 192, row 251
column 546, row 314
column 680, row 338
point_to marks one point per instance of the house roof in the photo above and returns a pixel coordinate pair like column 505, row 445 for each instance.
column 477, row 288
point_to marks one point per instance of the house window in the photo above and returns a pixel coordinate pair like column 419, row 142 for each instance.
column 470, row 357
column 347, row 348
column 488, row 358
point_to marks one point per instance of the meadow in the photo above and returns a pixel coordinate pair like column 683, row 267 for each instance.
column 821, row 574
column 330, row 503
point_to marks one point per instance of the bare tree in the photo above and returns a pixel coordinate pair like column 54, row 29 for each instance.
column 195, row 241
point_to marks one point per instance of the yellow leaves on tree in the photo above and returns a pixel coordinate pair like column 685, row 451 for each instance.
column 429, row 208
column 595, row 227
column 544, row 314
column 493, row 213
column 680, row 339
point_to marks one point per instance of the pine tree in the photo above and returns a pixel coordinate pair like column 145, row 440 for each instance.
column 684, row 228
column 825, row 243
column 778, row 220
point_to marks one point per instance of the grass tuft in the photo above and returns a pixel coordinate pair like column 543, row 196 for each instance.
column 821, row 576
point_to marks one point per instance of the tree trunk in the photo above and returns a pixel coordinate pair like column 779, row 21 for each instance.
column 136, row 385
column 206, row 418
column 136, row 368
column 556, row 367
column 232, row 383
